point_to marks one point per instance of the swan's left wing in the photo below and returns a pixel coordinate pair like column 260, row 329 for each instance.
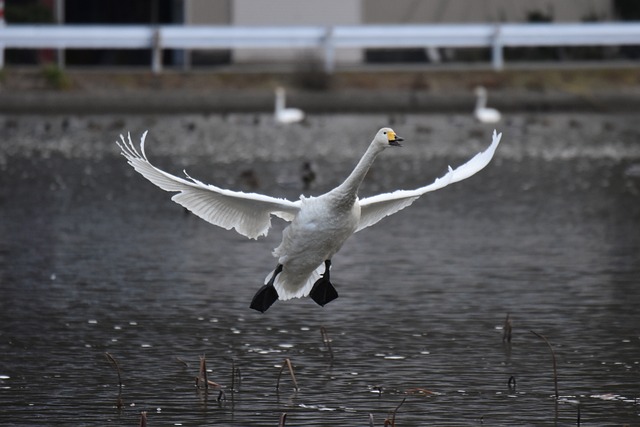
column 373, row 209
column 249, row 213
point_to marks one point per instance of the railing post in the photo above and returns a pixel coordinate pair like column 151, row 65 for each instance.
column 156, row 51
column 1, row 25
column 59, row 14
column 329, row 51
column 497, row 57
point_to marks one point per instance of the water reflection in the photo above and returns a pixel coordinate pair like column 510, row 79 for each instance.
column 95, row 260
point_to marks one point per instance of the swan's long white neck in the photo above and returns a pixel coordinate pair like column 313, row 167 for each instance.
column 481, row 101
column 279, row 101
column 348, row 190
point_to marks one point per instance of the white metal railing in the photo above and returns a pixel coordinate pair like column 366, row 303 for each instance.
column 328, row 39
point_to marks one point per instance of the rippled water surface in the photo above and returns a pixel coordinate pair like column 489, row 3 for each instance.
column 96, row 260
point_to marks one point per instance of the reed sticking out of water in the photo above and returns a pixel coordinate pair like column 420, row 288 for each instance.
column 114, row 362
column 235, row 373
column 419, row 391
column 511, row 383
column 203, row 372
column 506, row 329
column 143, row 419
column 392, row 422
column 553, row 358
column 326, row 341
column 287, row 362
column 283, row 419
column 201, row 380
column 185, row 364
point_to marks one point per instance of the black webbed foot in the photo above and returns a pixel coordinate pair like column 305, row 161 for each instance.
column 323, row 292
column 264, row 298
column 266, row 295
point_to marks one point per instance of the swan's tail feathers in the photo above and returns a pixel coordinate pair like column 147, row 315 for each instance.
column 291, row 285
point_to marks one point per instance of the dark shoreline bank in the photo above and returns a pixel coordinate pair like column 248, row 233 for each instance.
column 312, row 102
column 32, row 91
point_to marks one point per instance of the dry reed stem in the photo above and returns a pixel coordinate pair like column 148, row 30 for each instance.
column 186, row 365
column 201, row 380
column 326, row 341
column 506, row 329
column 392, row 422
column 200, row 384
column 287, row 362
column 235, row 373
column 419, row 390
column 578, row 419
column 553, row 358
column 110, row 358
column 203, row 372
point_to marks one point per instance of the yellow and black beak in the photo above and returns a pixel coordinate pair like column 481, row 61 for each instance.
column 394, row 139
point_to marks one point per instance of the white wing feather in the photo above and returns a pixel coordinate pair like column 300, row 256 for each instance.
column 248, row 213
column 373, row 209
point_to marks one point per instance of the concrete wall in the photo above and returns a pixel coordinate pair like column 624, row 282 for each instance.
column 326, row 12
column 294, row 12
column 463, row 11
column 207, row 12
column 354, row 12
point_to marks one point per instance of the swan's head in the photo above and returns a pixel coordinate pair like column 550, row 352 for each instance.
column 480, row 91
column 387, row 137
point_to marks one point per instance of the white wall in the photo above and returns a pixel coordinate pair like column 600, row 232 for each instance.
column 294, row 12
column 207, row 12
column 354, row 12
column 464, row 11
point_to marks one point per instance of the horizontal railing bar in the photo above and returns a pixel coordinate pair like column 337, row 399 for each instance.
column 328, row 38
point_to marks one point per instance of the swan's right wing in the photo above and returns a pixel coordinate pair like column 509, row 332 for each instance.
column 373, row 209
column 248, row 213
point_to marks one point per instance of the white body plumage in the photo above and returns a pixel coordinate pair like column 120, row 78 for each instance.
column 315, row 235
column 483, row 113
column 283, row 114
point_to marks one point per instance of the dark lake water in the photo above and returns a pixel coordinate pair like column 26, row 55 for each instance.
column 94, row 259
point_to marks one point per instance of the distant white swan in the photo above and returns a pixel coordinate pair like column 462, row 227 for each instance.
column 482, row 113
column 283, row 114
column 319, row 225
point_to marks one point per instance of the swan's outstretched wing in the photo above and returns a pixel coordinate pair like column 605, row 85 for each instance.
column 248, row 213
column 373, row 209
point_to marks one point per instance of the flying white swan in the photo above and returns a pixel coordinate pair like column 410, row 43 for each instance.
column 482, row 112
column 319, row 225
column 283, row 114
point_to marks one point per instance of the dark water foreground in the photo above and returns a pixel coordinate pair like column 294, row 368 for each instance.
column 95, row 260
